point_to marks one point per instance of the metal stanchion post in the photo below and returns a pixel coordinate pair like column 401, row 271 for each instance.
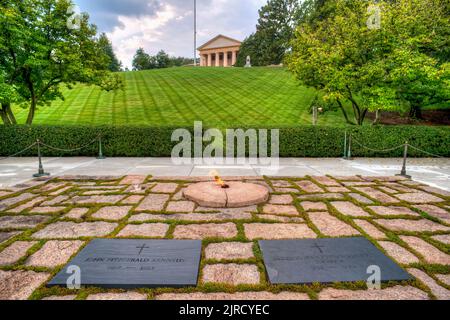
column 100, row 149
column 345, row 146
column 41, row 172
column 349, row 154
column 405, row 158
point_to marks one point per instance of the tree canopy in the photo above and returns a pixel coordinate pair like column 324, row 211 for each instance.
column 144, row 61
column 398, row 62
column 41, row 49
column 274, row 31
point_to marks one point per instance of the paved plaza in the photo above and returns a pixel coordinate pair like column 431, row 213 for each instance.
column 434, row 172
column 43, row 223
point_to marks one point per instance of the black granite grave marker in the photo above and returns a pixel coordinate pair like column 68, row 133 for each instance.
column 326, row 261
column 128, row 264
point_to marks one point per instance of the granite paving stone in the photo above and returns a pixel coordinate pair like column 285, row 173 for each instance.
column 274, row 231
column 238, row 296
column 165, row 188
column 112, row 213
column 19, row 285
column 232, row 274
column 149, row 230
column 331, row 226
column 117, row 296
column 202, row 231
column 419, row 197
column 76, row 213
column 314, row 206
column 393, row 293
column 349, row 209
column 153, row 202
column 15, row 252
column 229, row 251
column 411, row 225
column 377, row 195
column 370, row 229
column 22, row 222
column 280, row 209
column 399, row 253
column 435, row 212
column 54, row 254
column 440, row 292
column 430, row 253
column 72, row 230
column 393, row 211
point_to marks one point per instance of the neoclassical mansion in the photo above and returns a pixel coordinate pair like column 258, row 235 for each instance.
column 220, row 51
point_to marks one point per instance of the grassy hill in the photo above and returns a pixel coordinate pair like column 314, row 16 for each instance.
column 179, row 96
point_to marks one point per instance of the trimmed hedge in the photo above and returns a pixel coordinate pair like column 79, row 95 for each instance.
column 304, row 141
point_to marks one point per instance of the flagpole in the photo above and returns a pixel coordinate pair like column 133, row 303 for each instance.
column 195, row 33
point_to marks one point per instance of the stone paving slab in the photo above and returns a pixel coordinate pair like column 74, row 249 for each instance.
column 112, row 213
column 58, row 214
column 331, row 226
column 233, row 274
column 428, row 251
column 149, row 230
column 394, row 293
column 19, row 285
column 54, row 254
column 239, row 296
column 21, row 222
column 15, row 252
column 71, row 230
column 117, row 296
column 5, row 236
column 278, row 231
column 412, row 225
column 202, row 231
column 229, row 251
column 440, row 292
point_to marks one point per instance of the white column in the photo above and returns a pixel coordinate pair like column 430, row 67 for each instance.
column 234, row 58
column 217, row 59
column 225, row 59
column 209, row 64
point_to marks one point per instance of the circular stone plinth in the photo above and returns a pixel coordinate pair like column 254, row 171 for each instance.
column 238, row 195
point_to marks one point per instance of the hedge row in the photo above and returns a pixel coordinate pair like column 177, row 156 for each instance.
column 306, row 141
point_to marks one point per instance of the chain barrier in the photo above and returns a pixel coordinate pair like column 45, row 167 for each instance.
column 348, row 152
column 20, row 152
column 426, row 152
column 41, row 172
column 72, row 150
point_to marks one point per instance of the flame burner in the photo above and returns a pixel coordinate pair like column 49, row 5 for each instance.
column 233, row 194
column 221, row 183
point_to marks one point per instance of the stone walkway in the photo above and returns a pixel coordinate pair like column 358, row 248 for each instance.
column 434, row 172
column 45, row 223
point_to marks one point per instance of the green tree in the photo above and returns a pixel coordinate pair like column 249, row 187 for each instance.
column 371, row 68
column 114, row 64
column 274, row 31
column 39, row 52
column 162, row 60
column 141, row 60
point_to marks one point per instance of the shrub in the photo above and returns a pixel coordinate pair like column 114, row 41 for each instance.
column 304, row 141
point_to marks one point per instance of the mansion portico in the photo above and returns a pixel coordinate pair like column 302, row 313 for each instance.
column 220, row 51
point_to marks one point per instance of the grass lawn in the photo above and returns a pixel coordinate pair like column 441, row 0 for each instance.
column 220, row 97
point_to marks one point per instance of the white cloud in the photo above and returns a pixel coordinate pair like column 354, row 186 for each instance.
column 168, row 24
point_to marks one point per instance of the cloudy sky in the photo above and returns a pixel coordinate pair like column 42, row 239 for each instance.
column 168, row 24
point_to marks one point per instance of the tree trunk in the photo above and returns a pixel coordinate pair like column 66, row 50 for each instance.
column 344, row 112
column 10, row 114
column 4, row 117
column 416, row 112
column 32, row 111
column 377, row 118
column 7, row 115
